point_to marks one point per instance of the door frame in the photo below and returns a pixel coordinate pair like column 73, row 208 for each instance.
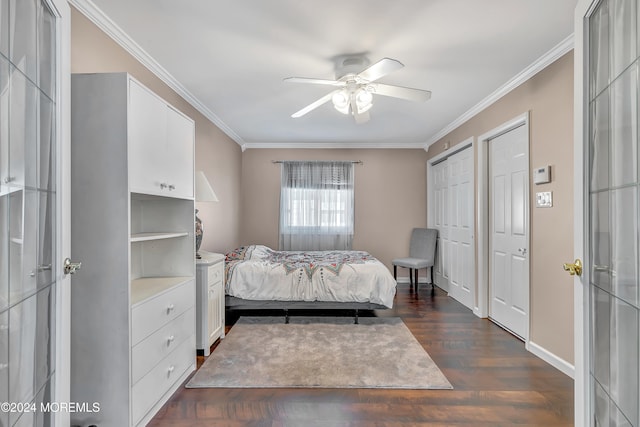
column 62, row 382
column 582, row 403
column 482, row 198
column 439, row 158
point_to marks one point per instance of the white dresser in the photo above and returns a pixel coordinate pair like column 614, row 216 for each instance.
column 209, row 300
column 133, row 300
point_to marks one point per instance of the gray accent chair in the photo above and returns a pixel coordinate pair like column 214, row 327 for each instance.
column 422, row 254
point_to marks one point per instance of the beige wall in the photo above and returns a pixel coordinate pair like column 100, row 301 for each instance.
column 548, row 97
column 92, row 51
column 390, row 196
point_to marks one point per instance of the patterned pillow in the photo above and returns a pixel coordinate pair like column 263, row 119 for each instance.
column 237, row 254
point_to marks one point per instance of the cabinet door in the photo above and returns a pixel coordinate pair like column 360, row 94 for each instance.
column 147, row 141
column 215, row 315
column 180, row 154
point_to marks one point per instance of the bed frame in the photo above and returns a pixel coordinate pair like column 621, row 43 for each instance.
column 234, row 303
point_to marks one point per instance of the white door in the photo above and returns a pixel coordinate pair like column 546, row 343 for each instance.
column 440, row 221
column 607, row 298
column 34, row 210
column 461, row 248
column 508, row 230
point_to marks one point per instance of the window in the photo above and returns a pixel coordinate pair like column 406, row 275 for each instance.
column 316, row 205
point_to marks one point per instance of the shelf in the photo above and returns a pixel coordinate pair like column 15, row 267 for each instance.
column 145, row 237
column 147, row 287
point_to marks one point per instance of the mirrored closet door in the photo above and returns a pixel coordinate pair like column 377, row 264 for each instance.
column 27, row 208
column 614, row 188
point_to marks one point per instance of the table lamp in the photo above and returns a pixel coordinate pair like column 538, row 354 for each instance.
column 204, row 193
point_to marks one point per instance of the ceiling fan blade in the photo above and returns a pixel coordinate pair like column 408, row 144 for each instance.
column 313, row 105
column 380, row 69
column 313, row 81
column 410, row 94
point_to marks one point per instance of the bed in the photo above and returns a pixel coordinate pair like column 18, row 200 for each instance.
column 258, row 277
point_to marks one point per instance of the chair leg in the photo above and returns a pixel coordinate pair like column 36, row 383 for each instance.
column 395, row 272
column 433, row 284
column 416, row 278
column 411, row 277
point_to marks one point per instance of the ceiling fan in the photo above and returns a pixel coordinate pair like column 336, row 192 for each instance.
column 354, row 93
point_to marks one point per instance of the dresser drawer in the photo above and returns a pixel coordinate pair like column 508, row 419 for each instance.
column 158, row 381
column 215, row 273
column 152, row 314
column 148, row 352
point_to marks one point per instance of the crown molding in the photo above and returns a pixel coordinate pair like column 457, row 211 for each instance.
column 102, row 21
column 538, row 65
column 333, row 145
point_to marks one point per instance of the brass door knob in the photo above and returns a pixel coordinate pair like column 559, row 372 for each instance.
column 573, row 269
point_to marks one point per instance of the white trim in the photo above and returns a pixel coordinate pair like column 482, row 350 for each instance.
column 102, row 21
column 538, row 65
column 62, row 381
column 582, row 401
column 553, row 360
column 297, row 145
column 463, row 145
column 482, row 226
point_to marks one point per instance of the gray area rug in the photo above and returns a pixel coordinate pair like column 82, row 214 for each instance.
column 319, row 352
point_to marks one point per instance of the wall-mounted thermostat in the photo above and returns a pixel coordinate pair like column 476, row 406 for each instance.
column 542, row 175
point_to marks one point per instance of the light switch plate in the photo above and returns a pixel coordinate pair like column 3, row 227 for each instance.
column 544, row 199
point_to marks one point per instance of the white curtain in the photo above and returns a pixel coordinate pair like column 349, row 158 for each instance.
column 316, row 206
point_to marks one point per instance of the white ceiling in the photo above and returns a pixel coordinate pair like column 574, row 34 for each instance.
column 229, row 58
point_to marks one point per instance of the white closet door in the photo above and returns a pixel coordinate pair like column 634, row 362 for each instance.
column 461, row 248
column 508, row 225
column 452, row 213
column 440, row 211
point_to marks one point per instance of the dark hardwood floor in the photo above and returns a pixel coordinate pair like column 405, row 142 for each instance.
column 496, row 383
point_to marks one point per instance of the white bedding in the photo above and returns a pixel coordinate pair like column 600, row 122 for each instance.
column 260, row 273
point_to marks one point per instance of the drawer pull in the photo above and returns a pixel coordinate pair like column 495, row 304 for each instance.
column 170, row 340
column 170, row 370
column 170, row 308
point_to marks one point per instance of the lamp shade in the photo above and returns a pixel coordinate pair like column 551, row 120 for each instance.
column 204, row 191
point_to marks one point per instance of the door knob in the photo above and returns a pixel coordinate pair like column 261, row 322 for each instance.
column 71, row 267
column 573, row 269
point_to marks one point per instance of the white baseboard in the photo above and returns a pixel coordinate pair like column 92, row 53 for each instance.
column 555, row 361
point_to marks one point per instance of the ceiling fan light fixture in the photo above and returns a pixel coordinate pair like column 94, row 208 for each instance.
column 364, row 100
column 340, row 101
column 354, row 95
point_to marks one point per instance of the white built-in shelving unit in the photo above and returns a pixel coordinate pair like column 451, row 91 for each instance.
column 133, row 300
